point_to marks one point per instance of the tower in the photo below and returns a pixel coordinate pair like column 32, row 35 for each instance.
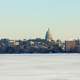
column 48, row 36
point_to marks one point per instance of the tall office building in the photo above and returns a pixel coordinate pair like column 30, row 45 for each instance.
column 48, row 36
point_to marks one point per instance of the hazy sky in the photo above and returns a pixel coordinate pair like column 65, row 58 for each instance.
column 31, row 18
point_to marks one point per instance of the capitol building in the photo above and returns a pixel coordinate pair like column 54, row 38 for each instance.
column 48, row 36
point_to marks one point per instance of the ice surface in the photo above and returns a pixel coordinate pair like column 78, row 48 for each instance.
column 40, row 67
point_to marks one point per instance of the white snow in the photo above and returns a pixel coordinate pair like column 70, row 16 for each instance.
column 39, row 66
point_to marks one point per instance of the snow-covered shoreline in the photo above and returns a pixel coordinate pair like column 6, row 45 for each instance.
column 39, row 67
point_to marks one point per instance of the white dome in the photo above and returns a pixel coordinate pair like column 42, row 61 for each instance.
column 48, row 36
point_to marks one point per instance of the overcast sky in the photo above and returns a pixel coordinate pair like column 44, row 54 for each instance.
column 31, row 18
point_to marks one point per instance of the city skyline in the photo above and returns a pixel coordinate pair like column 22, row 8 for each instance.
column 24, row 19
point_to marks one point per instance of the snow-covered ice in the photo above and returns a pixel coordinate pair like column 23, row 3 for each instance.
column 39, row 66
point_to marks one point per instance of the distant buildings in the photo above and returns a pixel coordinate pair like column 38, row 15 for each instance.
column 38, row 45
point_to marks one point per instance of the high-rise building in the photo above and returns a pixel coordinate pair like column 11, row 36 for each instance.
column 48, row 36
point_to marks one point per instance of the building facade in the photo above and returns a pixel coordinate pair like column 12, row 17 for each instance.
column 72, row 46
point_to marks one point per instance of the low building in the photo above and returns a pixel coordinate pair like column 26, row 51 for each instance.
column 72, row 46
column 78, row 46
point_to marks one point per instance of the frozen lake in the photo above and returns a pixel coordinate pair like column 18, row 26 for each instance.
column 40, row 67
